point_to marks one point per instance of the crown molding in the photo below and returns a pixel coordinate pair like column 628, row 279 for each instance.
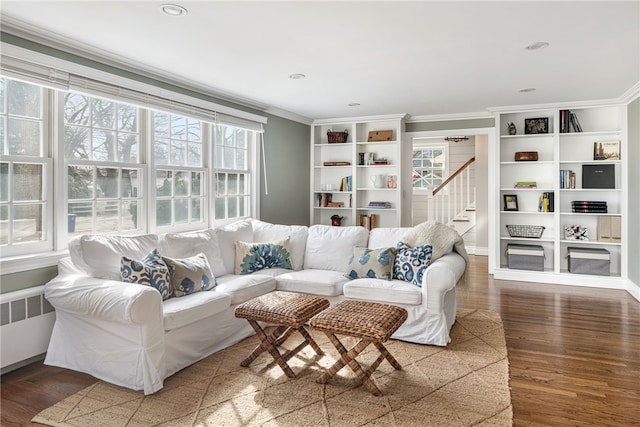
column 449, row 117
column 337, row 120
column 632, row 94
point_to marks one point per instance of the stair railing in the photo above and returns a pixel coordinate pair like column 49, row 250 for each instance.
column 461, row 195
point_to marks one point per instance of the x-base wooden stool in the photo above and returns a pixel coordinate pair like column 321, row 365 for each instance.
column 290, row 311
column 372, row 322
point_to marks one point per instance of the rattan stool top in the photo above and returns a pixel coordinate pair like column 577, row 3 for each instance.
column 362, row 319
column 282, row 308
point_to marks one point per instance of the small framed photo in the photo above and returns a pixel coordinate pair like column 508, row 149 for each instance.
column 510, row 202
column 537, row 125
column 606, row 150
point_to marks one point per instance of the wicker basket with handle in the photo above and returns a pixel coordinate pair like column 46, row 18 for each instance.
column 337, row 137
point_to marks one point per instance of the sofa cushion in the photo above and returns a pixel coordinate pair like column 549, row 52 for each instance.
column 188, row 244
column 243, row 288
column 411, row 263
column 100, row 255
column 384, row 291
column 227, row 237
column 149, row 271
column 297, row 234
column 178, row 312
column 315, row 282
column 329, row 248
column 371, row 263
column 252, row 257
column 189, row 275
column 384, row 237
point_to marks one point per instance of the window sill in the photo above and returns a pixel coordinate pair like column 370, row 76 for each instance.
column 22, row 263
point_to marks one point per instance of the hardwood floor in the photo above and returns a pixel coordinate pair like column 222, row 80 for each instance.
column 574, row 356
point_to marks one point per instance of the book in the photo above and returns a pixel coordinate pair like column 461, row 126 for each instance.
column 564, row 121
column 546, row 202
column 575, row 123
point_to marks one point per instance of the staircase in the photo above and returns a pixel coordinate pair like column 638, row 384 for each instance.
column 454, row 201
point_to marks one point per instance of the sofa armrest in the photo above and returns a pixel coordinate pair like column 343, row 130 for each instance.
column 443, row 274
column 111, row 300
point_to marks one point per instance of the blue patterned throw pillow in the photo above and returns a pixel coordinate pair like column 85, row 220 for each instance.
column 371, row 263
column 190, row 275
column 149, row 271
column 411, row 263
column 251, row 257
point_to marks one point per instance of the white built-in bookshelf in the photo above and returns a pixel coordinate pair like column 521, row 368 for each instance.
column 560, row 150
column 359, row 180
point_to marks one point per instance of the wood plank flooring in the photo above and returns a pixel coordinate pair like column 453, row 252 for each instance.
column 574, row 356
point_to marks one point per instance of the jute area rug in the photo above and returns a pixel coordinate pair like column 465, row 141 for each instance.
column 463, row 384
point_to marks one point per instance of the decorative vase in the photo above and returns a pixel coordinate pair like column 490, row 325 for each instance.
column 512, row 128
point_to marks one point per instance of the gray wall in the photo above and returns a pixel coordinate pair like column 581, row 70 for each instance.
column 287, row 152
column 633, row 236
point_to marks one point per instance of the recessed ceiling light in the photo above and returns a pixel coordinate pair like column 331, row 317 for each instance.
column 537, row 45
column 528, row 89
column 297, row 76
column 173, row 10
column 353, row 104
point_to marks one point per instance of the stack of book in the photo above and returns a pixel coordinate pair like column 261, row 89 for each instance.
column 379, row 205
column 567, row 178
column 345, row 183
column 588, row 206
column 546, row 202
column 324, row 199
column 380, row 161
column 526, row 184
column 367, row 221
column 567, row 120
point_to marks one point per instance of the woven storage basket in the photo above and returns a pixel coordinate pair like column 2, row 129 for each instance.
column 531, row 231
column 337, row 137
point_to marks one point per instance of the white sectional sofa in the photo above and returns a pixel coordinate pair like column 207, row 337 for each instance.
column 125, row 333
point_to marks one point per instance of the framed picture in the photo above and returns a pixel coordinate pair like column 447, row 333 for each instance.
column 606, row 150
column 510, row 202
column 538, row 125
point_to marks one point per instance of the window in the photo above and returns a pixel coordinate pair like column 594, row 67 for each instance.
column 104, row 176
column 179, row 176
column 25, row 197
column 231, row 156
column 429, row 166
column 73, row 163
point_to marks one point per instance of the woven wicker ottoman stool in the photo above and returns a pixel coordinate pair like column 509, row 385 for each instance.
column 371, row 322
column 290, row 311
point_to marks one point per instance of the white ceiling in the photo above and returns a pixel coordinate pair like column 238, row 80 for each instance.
column 423, row 58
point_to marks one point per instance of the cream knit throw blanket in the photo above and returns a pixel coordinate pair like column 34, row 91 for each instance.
column 442, row 239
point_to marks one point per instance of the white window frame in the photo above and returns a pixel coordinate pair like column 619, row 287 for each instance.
column 251, row 174
column 418, row 143
column 46, row 243
column 57, row 182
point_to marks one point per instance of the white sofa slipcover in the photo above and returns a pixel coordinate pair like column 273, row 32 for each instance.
column 125, row 334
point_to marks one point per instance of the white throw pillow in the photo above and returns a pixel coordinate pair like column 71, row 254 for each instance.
column 102, row 253
column 265, row 232
column 227, row 238
column 183, row 245
column 329, row 248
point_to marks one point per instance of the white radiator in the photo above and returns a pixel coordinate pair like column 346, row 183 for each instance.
column 26, row 321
